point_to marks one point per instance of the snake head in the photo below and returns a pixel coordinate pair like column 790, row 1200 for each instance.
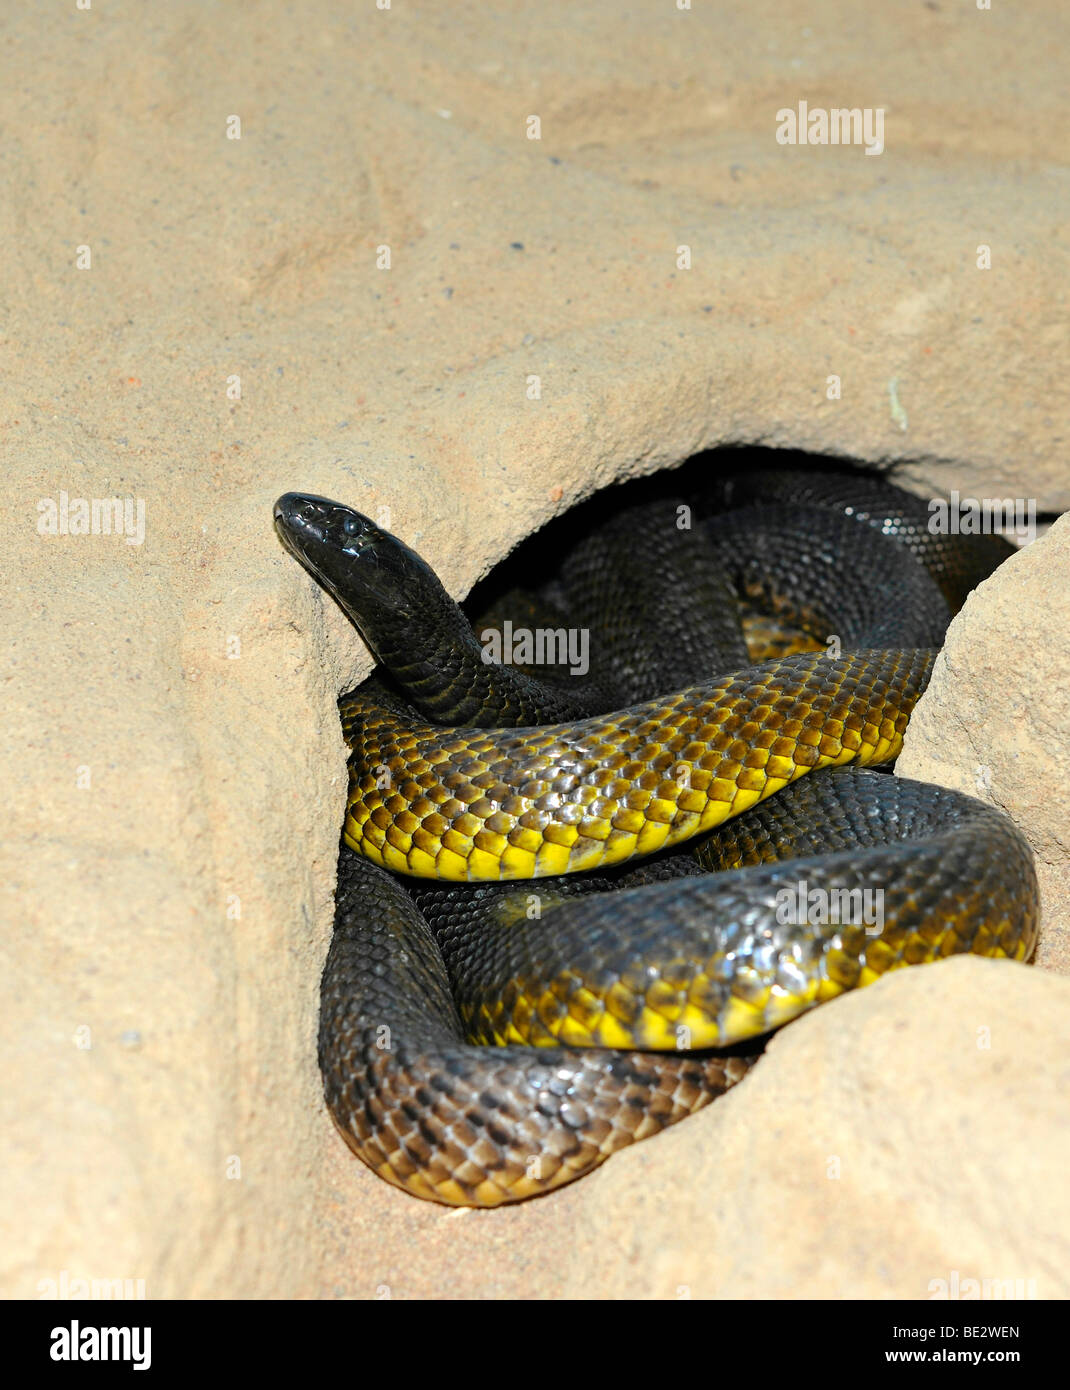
column 375, row 577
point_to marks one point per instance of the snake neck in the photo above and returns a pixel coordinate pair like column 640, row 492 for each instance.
column 433, row 655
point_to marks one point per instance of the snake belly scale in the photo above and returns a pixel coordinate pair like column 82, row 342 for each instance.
column 562, row 906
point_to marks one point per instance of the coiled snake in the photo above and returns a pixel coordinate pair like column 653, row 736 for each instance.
column 483, row 1040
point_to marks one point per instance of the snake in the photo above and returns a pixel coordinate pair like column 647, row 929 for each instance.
column 570, row 905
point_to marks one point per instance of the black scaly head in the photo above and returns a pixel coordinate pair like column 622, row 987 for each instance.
column 407, row 618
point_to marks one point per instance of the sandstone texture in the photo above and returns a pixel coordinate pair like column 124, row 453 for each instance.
column 199, row 323
column 995, row 718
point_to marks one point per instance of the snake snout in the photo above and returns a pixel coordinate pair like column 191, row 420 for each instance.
column 306, row 514
column 313, row 525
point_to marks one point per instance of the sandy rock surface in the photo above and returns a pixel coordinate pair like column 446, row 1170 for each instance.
column 199, row 323
column 1005, row 740
column 864, row 1157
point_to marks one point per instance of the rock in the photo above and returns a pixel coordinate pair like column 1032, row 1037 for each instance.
column 878, row 1148
column 170, row 738
column 995, row 720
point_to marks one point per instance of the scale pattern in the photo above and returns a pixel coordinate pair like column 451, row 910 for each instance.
column 463, row 1125
column 474, row 804
column 499, row 934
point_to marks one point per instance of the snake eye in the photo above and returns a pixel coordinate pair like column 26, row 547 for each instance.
column 350, row 526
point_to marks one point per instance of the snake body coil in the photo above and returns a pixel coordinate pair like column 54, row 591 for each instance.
column 467, row 777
